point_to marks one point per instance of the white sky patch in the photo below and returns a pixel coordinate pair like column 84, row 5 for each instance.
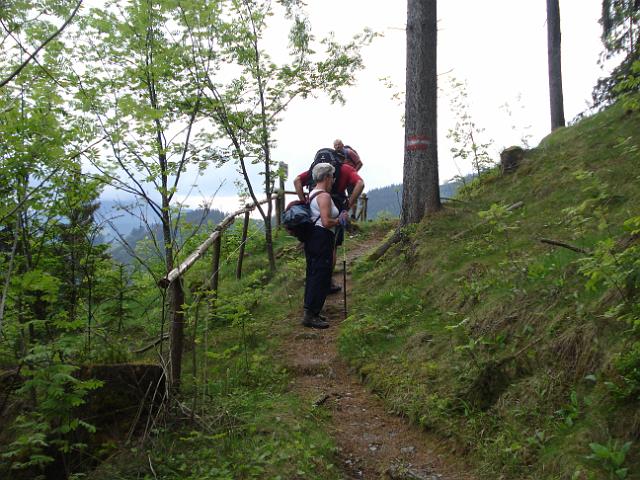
column 499, row 47
column 225, row 203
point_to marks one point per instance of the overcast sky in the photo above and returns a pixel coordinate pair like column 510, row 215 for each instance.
column 498, row 46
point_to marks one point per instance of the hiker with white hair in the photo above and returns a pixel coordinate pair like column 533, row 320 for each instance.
column 319, row 246
column 346, row 179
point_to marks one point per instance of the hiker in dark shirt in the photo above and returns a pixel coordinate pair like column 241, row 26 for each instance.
column 348, row 178
column 318, row 248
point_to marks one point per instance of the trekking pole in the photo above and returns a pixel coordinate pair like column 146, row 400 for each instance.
column 344, row 278
column 344, row 272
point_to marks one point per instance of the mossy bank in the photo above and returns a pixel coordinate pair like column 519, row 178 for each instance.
column 522, row 354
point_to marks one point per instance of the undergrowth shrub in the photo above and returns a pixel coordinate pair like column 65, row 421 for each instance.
column 52, row 395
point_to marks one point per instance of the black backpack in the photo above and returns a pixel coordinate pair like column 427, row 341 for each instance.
column 325, row 155
column 329, row 155
column 297, row 218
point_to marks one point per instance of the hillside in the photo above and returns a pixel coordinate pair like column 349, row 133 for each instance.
column 191, row 221
column 522, row 355
column 517, row 359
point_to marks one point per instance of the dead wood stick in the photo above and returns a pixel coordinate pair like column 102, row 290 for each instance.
column 152, row 344
column 151, row 467
column 513, row 356
column 382, row 249
column 558, row 243
column 138, row 414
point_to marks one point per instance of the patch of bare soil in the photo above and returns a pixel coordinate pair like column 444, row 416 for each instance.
column 373, row 443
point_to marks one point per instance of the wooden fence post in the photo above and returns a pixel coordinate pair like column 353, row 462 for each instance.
column 363, row 207
column 366, row 207
column 245, row 229
column 176, row 305
column 279, row 207
column 283, row 172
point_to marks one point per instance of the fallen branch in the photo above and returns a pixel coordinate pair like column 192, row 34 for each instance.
column 152, row 344
column 510, row 208
column 558, row 243
column 321, row 399
column 455, row 200
column 382, row 249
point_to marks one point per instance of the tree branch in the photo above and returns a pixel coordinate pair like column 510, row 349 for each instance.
column 152, row 344
column 17, row 71
column 558, row 243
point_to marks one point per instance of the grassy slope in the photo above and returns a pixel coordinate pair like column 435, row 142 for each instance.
column 493, row 339
column 250, row 425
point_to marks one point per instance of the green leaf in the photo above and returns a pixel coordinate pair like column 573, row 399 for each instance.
column 622, row 473
column 600, row 450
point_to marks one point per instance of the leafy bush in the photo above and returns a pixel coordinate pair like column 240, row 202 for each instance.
column 611, row 458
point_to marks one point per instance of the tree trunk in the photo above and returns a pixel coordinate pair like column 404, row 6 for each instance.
column 7, row 277
column 421, row 193
column 175, row 300
column 121, row 287
column 214, row 281
column 269, row 240
column 555, row 64
column 245, row 229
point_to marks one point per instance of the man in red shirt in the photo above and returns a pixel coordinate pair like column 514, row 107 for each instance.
column 348, row 179
column 350, row 157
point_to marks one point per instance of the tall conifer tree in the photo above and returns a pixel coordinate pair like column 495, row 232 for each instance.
column 555, row 64
column 421, row 193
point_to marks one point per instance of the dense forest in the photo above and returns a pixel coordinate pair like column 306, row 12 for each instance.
column 144, row 340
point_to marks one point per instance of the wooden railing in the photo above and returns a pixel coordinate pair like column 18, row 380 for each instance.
column 176, row 289
column 213, row 238
column 280, row 203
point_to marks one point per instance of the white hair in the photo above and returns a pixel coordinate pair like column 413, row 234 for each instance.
column 322, row 171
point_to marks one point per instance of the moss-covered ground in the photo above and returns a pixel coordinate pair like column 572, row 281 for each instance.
column 522, row 355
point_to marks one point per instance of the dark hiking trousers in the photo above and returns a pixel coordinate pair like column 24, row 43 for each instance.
column 318, row 250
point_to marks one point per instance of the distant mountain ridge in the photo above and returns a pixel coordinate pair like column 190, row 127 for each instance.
column 385, row 200
column 388, row 200
column 121, row 224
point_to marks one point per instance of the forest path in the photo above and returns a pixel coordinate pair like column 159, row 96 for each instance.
column 372, row 442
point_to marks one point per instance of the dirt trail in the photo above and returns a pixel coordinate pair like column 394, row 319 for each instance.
column 373, row 443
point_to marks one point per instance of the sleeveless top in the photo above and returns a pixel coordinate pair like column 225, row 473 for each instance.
column 315, row 209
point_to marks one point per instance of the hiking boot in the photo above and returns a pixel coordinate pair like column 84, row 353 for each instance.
column 334, row 288
column 313, row 321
